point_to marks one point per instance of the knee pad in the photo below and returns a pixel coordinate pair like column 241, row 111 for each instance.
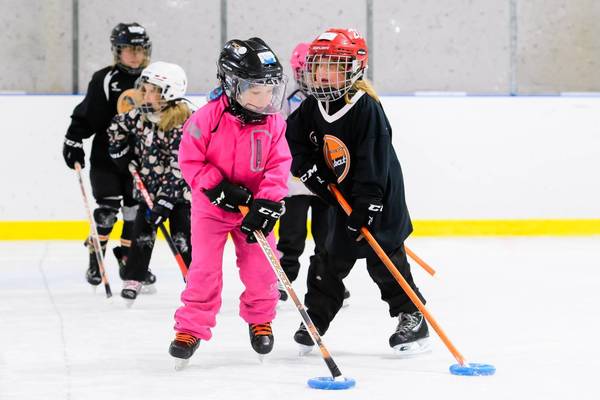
column 181, row 242
column 105, row 216
column 129, row 213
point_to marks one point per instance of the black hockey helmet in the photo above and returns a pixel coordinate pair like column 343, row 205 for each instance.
column 130, row 34
column 245, row 64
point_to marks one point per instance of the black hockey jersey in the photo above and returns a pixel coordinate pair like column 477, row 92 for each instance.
column 356, row 142
column 94, row 114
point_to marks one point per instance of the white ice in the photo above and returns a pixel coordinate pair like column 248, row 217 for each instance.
column 529, row 306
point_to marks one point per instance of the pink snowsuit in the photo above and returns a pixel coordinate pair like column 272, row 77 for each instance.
column 214, row 146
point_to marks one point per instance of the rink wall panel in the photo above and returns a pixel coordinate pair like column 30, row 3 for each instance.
column 475, row 46
column 472, row 165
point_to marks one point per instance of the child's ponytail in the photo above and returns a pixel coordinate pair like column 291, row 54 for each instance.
column 364, row 85
column 174, row 115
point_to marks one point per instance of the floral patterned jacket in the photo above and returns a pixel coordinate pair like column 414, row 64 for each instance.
column 134, row 138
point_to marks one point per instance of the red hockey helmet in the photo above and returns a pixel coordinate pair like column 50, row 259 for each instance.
column 341, row 50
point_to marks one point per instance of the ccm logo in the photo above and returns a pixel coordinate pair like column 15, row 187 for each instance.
column 376, row 207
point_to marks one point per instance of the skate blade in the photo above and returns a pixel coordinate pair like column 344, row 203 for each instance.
column 148, row 289
column 181, row 363
column 129, row 303
column 408, row 350
column 304, row 349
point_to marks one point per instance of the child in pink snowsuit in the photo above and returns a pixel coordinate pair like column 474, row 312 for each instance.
column 234, row 153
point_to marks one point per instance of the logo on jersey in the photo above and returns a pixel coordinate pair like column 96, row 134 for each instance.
column 114, row 86
column 128, row 100
column 312, row 136
column 337, row 156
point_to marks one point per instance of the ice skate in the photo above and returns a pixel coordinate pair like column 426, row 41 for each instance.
column 304, row 340
column 261, row 338
column 92, row 275
column 130, row 291
column 411, row 336
column 283, row 296
column 346, row 302
column 120, row 253
column 148, row 286
column 182, row 348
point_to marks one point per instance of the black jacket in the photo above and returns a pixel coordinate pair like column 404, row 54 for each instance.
column 94, row 114
column 356, row 142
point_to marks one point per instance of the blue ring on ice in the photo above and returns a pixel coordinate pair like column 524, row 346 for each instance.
column 472, row 369
column 328, row 383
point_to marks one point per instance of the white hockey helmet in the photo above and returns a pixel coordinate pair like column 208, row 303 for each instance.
column 170, row 78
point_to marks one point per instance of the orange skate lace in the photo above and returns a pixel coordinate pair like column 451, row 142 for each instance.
column 186, row 338
column 261, row 329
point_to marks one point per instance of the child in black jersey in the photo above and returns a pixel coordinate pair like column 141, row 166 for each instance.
column 111, row 188
column 341, row 135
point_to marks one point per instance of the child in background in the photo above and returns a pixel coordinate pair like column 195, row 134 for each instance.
column 112, row 188
column 233, row 154
column 148, row 137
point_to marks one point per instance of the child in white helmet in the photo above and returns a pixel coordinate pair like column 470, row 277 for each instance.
column 148, row 137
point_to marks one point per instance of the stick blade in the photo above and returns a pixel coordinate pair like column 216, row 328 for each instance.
column 329, row 383
column 472, row 369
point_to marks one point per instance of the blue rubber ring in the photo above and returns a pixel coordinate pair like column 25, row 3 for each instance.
column 472, row 369
column 328, row 383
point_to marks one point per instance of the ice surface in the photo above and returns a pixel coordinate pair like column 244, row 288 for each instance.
column 528, row 306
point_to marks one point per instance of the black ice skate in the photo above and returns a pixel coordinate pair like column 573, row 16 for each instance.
column 182, row 348
column 92, row 275
column 412, row 334
column 304, row 340
column 130, row 291
column 261, row 337
column 283, row 296
column 148, row 283
column 120, row 253
column 346, row 302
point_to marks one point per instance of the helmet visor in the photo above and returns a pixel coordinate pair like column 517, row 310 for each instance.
column 261, row 96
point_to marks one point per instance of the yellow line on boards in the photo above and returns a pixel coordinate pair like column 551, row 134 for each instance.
column 78, row 230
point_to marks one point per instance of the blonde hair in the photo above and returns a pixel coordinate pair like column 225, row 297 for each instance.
column 174, row 116
column 365, row 86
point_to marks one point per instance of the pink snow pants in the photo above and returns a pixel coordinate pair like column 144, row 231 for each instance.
column 202, row 295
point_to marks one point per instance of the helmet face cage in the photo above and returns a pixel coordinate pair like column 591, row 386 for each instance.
column 341, row 72
column 141, row 86
column 300, row 78
column 117, row 48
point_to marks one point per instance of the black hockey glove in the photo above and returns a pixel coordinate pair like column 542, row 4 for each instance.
column 365, row 212
column 262, row 216
column 161, row 211
column 121, row 153
column 316, row 177
column 73, row 152
column 229, row 196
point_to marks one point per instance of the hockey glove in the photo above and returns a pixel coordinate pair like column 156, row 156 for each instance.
column 161, row 211
column 365, row 212
column 121, row 153
column 316, row 177
column 262, row 216
column 73, row 152
column 229, row 196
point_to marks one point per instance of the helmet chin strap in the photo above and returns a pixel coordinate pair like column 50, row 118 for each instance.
column 244, row 115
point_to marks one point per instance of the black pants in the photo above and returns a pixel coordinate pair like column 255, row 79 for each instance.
column 325, row 293
column 145, row 236
column 292, row 231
